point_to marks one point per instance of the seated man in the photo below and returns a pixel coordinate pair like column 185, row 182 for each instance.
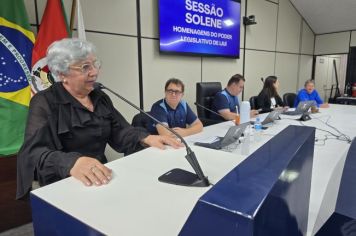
column 308, row 93
column 226, row 102
column 175, row 112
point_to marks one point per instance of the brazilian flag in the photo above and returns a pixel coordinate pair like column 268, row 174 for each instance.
column 16, row 43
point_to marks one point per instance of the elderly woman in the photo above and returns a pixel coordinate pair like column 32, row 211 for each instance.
column 70, row 123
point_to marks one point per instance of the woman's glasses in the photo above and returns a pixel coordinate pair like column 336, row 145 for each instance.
column 87, row 67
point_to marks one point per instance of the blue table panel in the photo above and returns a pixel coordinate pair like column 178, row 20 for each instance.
column 343, row 220
column 49, row 220
column 267, row 194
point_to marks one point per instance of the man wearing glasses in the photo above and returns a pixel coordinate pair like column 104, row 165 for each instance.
column 175, row 112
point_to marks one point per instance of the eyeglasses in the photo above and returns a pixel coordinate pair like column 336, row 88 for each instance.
column 173, row 92
column 87, row 67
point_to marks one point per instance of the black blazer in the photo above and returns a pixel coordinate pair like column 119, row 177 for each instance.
column 264, row 102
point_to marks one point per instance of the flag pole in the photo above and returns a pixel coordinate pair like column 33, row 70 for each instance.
column 72, row 15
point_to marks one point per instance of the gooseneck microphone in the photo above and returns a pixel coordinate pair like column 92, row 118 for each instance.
column 175, row 176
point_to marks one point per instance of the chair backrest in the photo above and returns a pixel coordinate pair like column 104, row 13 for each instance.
column 253, row 102
column 289, row 98
column 205, row 95
column 141, row 120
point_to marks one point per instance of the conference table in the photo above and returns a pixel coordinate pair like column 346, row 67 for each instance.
column 136, row 203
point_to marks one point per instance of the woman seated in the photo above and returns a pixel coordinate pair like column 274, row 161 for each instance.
column 268, row 99
column 70, row 123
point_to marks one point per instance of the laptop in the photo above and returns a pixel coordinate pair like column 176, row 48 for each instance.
column 272, row 116
column 302, row 107
column 231, row 136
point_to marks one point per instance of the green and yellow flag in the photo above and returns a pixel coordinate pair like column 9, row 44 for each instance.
column 16, row 43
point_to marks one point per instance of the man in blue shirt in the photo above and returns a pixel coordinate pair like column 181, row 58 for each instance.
column 226, row 102
column 308, row 93
column 175, row 112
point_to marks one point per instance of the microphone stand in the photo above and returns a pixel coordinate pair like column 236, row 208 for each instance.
column 175, row 176
column 199, row 105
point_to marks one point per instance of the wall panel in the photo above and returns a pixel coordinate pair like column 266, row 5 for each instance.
column 258, row 64
column 263, row 34
column 220, row 69
column 307, row 40
column 289, row 22
column 305, row 70
column 287, row 72
column 332, row 43
column 353, row 39
column 157, row 69
column 119, row 69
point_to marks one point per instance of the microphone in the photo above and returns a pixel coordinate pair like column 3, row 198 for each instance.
column 214, row 112
column 175, row 176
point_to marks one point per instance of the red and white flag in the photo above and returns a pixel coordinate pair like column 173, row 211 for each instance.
column 53, row 27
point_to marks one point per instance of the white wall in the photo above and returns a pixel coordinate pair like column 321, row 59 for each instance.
column 305, row 70
column 280, row 44
column 263, row 35
column 276, row 46
column 158, row 68
column 307, row 42
column 335, row 43
column 258, row 64
column 353, row 39
column 289, row 27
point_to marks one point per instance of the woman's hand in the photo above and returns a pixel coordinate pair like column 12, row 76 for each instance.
column 253, row 113
column 90, row 171
column 159, row 141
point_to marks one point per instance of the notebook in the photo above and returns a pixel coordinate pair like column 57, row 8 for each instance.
column 272, row 116
column 301, row 108
column 231, row 136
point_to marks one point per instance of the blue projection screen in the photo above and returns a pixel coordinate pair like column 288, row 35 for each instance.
column 201, row 27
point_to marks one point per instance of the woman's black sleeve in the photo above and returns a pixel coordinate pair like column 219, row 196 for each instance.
column 124, row 137
column 40, row 156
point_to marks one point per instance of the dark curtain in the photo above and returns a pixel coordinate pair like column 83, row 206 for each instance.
column 351, row 70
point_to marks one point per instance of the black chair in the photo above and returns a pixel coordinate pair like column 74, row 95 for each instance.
column 254, row 102
column 204, row 96
column 289, row 99
column 141, row 120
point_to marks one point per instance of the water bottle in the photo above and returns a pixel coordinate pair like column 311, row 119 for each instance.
column 245, row 142
column 258, row 129
column 245, row 112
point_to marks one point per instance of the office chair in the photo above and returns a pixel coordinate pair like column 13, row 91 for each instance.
column 141, row 120
column 253, row 102
column 289, row 98
column 205, row 92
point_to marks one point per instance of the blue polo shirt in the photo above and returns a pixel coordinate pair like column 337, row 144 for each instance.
column 303, row 95
column 224, row 100
column 179, row 117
